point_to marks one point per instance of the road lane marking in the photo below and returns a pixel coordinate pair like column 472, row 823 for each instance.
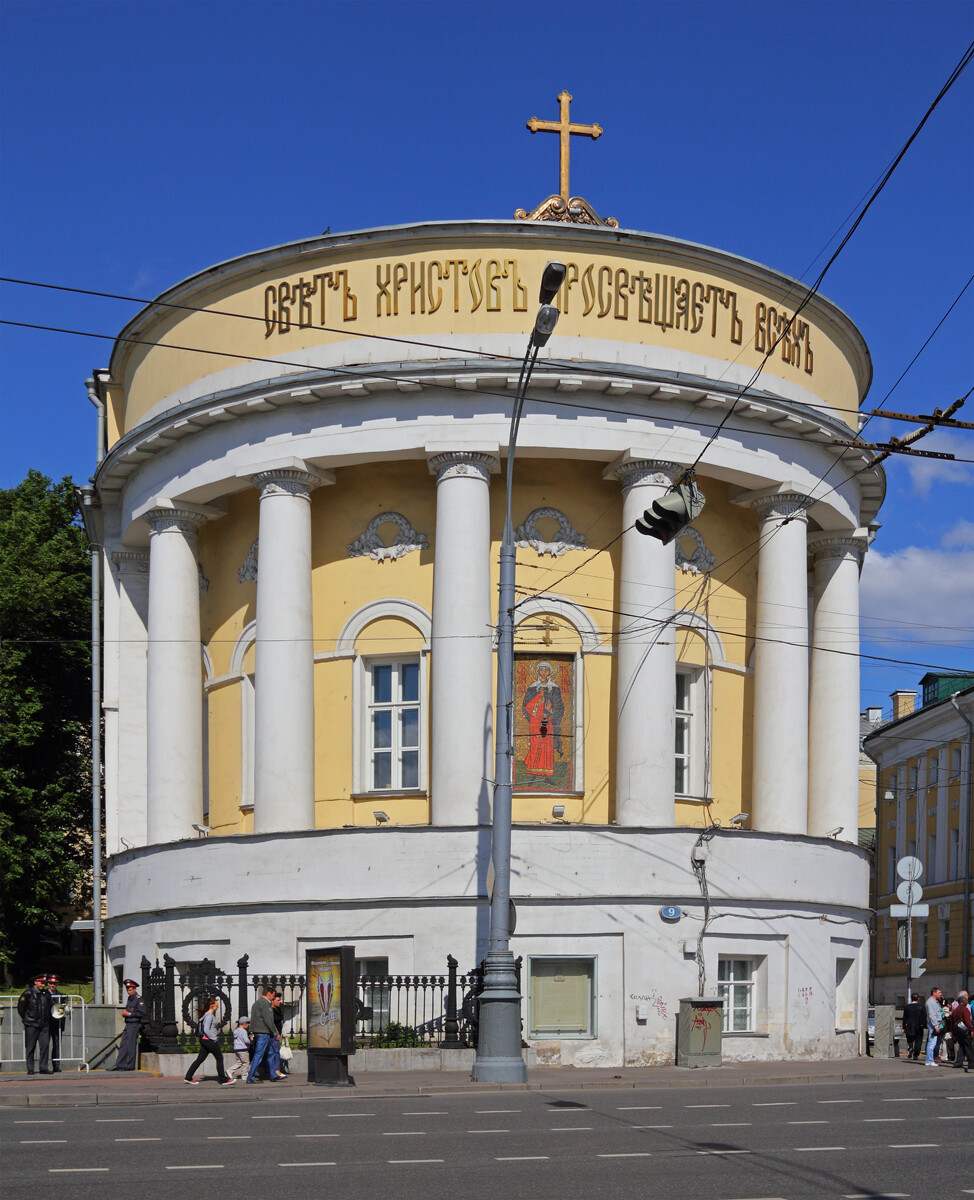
column 901, row 1100
column 812, row 1122
column 876, row 1196
column 139, row 1139
column 280, row 1117
column 570, row 1128
column 722, row 1152
column 44, row 1142
column 639, row 1107
column 838, row 1102
column 525, row 1158
column 313, row 1135
column 485, row 1112
column 73, row 1170
column 730, row 1124
column 335, row 1116
column 914, row 1145
column 434, row 1112
column 959, row 1117
column 773, row 1103
column 883, row 1120
column 41, row 1122
column 488, row 1131
column 808, row 1149
column 307, row 1164
column 706, row 1106
column 403, row 1161
column 630, row 1154
column 197, row 1118
column 406, row 1133
column 222, row 1137
column 650, row 1126
column 197, row 1167
column 117, row 1120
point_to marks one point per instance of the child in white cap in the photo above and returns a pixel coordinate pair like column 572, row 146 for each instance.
column 241, row 1047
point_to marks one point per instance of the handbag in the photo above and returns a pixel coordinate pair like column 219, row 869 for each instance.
column 286, row 1051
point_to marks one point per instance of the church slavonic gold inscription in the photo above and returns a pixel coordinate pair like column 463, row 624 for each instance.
column 631, row 294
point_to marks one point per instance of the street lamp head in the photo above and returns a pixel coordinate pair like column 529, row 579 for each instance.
column 544, row 325
column 551, row 281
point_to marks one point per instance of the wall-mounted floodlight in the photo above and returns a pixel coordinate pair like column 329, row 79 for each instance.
column 558, row 812
column 381, row 818
column 889, row 796
column 739, row 820
column 202, row 830
column 834, row 833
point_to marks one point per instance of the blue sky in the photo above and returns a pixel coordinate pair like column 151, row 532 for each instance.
column 145, row 141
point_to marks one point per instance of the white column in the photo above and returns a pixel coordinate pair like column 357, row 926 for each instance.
column 779, row 790
column 130, row 781
column 284, row 722
column 174, row 688
column 833, row 717
column 646, row 657
column 462, row 640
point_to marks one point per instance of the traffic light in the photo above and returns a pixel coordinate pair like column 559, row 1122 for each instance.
column 669, row 514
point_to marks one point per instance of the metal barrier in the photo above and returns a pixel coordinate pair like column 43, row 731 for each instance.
column 73, row 1037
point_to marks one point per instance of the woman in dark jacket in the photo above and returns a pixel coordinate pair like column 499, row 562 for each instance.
column 208, row 1034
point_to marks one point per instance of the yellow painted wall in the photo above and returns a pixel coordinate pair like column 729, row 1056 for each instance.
column 342, row 586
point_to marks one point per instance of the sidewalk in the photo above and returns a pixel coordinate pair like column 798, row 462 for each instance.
column 101, row 1088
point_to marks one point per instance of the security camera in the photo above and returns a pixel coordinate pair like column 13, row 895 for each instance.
column 834, row 833
column 739, row 820
column 202, row 830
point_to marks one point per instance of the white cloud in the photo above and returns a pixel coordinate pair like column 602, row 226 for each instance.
column 923, row 594
column 925, row 472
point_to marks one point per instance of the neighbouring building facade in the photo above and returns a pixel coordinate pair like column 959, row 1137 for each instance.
column 302, row 501
column 923, row 806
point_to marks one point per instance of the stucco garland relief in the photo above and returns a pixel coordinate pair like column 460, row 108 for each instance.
column 701, row 560
column 371, row 544
column 248, row 571
column 568, row 536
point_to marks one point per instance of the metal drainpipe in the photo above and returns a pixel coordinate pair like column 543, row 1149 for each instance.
column 966, row 917
column 90, row 502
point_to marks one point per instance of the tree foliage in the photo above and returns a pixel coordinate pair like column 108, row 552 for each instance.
column 45, row 707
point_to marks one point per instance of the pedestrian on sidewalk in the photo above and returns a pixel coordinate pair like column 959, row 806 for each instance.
column 914, row 1020
column 128, row 1050
column 962, row 1025
column 34, row 1007
column 208, row 1033
column 264, row 1030
column 935, row 1025
column 57, row 1023
column 242, row 1048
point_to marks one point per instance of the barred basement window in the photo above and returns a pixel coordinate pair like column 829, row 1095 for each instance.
column 561, row 998
column 735, row 986
column 393, row 725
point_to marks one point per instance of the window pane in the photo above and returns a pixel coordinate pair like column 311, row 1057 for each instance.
column 381, row 685
column 682, row 735
column 681, row 782
column 381, row 770
column 742, row 1020
column 410, row 769
column 409, row 727
column 683, row 693
column 409, row 681
column 381, row 729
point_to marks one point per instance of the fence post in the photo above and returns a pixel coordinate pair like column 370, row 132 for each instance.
column 243, row 1003
column 168, row 1037
column 451, row 1024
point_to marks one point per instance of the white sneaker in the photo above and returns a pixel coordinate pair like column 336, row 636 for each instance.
column 931, row 1064
column 228, row 1082
column 196, row 1082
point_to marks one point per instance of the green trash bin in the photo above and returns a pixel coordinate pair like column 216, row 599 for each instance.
column 698, row 1032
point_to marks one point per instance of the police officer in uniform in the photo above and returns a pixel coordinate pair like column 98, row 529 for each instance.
column 34, row 1007
column 134, row 1010
column 57, row 1023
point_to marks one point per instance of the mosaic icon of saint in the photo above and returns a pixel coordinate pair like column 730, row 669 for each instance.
column 544, row 709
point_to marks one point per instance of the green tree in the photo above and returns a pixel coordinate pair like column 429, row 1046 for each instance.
column 45, row 707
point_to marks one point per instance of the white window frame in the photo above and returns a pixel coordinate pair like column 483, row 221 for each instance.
column 955, row 761
column 248, row 709
column 845, row 998
column 730, row 990
column 921, row 940
column 931, row 863
column 697, row 756
column 549, row 1034
column 362, row 772
column 943, row 947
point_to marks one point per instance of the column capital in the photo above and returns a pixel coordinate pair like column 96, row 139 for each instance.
column 837, row 545
column 174, row 520
column 286, row 481
column 131, row 562
column 631, row 472
column 777, row 505
column 449, row 464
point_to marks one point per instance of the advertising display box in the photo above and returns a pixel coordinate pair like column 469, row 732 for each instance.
column 330, row 999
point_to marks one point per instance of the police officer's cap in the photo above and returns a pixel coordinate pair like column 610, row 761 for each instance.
column 129, row 983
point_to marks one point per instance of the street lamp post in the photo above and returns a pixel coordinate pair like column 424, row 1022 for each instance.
column 499, row 1058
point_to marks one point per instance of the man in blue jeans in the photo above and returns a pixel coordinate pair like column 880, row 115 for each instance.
column 935, row 1024
column 262, row 1024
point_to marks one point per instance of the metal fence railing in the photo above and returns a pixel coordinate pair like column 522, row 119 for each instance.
column 72, row 1043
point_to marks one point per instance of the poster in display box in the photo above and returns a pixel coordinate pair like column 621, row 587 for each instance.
column 330, row 975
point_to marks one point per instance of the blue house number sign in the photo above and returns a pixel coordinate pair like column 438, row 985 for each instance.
column 670, row 912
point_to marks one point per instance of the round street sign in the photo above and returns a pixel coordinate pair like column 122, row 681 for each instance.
column 909, row 868
column 670, row 912
column 909, row 892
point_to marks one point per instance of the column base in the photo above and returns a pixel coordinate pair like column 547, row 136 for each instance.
column 499, row 1058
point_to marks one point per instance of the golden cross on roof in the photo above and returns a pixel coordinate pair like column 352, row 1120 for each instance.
column 564, row 128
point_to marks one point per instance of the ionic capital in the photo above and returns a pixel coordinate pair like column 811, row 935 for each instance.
column 286, row 481
column 638, row 471
column 174, row 520
column 131, row 562
column 779, row 506
column 454, row 464
column 823, row 546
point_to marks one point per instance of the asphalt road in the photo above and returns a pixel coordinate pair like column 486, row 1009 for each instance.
column 780, row 1142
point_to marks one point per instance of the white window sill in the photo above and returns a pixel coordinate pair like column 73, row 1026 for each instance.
column 743, row 1033
column 389, row 794
column 563, row 1037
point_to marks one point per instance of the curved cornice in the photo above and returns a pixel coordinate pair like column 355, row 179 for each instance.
column 554, row 234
